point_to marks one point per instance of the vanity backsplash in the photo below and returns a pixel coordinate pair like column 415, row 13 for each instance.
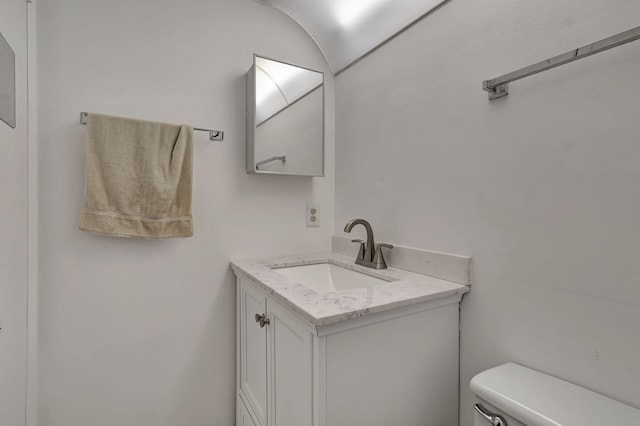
column 446, row 266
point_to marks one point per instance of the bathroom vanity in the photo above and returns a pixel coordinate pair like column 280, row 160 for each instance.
column 324, row 342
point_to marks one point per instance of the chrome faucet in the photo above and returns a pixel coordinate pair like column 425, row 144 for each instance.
column 370, row 253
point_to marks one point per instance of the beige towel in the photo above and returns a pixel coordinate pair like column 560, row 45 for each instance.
column 138, row 178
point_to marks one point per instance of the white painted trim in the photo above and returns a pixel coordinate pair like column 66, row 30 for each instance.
column 238, row 348
column 320, row 384
column 31, row 414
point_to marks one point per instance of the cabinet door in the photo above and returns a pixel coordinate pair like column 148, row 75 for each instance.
column 253, row 351
column 291, row 369
column 242, row 417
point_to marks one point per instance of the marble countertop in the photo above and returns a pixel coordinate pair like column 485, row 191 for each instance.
column 402, row 289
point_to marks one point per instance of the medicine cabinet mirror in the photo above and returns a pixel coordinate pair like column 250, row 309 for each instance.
column 7, row 83
column 285, row 119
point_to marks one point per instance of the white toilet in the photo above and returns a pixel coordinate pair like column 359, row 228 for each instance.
column 512, row 395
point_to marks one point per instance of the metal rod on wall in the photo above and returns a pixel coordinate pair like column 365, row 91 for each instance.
column 214, row 135
column 498, row 87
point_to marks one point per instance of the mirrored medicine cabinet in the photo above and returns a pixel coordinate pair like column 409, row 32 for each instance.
column 285, row 119
column 7, row 83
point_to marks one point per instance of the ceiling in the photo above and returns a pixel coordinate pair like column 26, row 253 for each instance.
column 345, row 30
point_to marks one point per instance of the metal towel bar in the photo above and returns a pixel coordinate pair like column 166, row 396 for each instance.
column 214, row 135
column 498, row 87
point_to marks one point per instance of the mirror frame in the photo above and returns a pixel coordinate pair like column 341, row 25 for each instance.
column 251, row 121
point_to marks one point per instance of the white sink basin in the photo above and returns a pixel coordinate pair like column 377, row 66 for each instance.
column 328, row 278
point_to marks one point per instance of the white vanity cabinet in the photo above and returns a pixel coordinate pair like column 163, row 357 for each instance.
column 242, row 416
column 275, row 361
column 398, row 367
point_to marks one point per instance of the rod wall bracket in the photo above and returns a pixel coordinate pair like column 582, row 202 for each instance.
column 497, row 92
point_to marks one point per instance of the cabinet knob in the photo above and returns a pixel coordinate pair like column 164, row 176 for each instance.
column 263, row 320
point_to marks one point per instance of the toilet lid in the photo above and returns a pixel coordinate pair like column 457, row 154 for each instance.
column 537, row 399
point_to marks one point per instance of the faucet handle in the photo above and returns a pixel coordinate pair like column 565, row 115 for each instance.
column 379, row 257
column 361, row 251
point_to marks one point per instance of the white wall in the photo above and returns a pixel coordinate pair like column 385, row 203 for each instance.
column 541, row 188
column 13, row 227
column 142, row 333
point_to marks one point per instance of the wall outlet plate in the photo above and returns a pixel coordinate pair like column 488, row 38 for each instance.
column 312, row 215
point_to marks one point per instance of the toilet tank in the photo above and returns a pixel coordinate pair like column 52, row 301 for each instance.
column 525, row 397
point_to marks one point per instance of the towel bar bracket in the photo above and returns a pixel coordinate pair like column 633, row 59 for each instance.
column 214, row 135
column 496, row 92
